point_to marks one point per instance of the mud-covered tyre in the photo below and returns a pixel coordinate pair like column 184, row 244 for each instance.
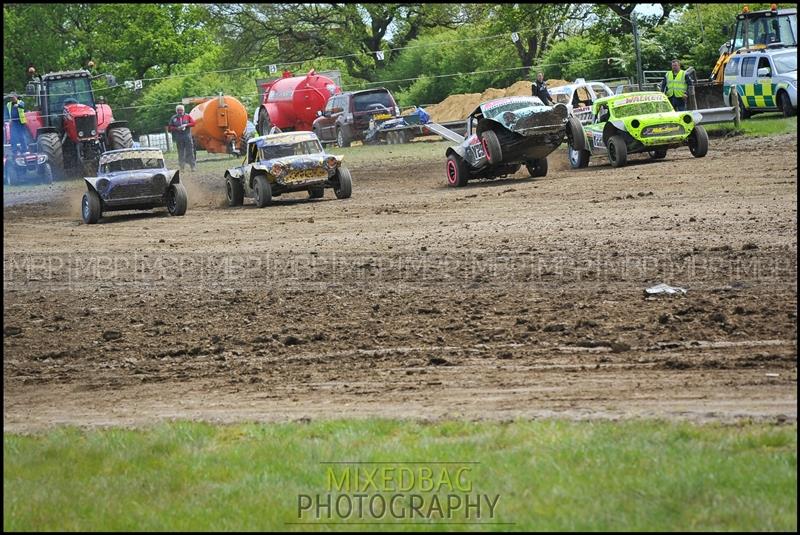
column 91, row 208
column 785, row 104
column 234, row 191
column 47, row 174
column 344, row 183
column 491, row 147
column 537, row 168
column 658, row 154
column 262, row 191
column 617, row 151
column 698, row 142
column 120, row 138
column 177, row 200
column 264, row 123
column 342, row 138
column 50, row 145
column 456, row 171
column 316, row 193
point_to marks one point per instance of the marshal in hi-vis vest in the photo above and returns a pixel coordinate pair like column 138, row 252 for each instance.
column 676, row 85
column 21, row 110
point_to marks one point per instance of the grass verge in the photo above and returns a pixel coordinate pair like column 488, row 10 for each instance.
column 769, row 124
column 549, row 475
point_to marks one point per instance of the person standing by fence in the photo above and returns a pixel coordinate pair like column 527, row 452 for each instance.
column 676, row 86
column 180, row 125
column 14, row 113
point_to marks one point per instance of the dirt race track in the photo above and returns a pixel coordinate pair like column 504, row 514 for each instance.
column 514, row 298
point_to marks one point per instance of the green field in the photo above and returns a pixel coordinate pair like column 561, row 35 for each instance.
column 766, row 124
column 549, row 475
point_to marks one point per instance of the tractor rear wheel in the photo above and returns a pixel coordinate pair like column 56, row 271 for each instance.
column 50, row 145
column 120, row 138
column 617, row 150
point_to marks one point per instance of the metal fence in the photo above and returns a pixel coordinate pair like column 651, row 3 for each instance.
column 162, row 141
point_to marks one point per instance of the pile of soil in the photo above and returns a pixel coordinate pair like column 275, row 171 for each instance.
column 456, row 107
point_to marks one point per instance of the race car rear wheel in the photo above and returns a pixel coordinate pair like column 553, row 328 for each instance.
column 537, row 167
column 263, row 191
column 617, row 151
column 491, row 146
column 698, row 142
column 91, row 209
column 234, row 191
column 344, row 184
column 177, row 200
column 658, row 154
column 316, row 193
column 456, row 170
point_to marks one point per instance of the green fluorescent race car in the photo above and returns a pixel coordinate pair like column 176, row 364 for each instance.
column 634, row 122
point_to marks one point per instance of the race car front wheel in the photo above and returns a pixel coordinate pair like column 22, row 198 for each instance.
column 617, row 151
column 263, row 191
column 177, row 200
column 578, row 159
column 91, row 209
column 698, row 142
column 344, row 186
column 234, row 191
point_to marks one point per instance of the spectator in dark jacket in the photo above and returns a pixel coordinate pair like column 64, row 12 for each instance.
column 539, row 89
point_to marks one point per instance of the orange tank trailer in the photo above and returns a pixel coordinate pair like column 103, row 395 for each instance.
column 220, row 123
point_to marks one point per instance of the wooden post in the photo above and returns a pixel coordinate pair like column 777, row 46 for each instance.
column 737, row 116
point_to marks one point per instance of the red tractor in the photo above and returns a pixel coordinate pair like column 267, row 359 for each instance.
column 70, row 127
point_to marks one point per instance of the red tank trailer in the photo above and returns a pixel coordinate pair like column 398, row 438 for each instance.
column 292, row 102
